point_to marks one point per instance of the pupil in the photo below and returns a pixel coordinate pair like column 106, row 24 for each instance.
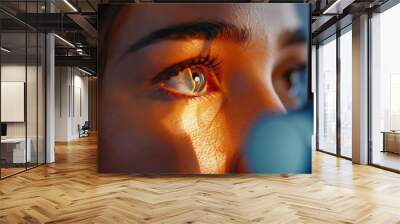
column 199, row 83
column 196, row 78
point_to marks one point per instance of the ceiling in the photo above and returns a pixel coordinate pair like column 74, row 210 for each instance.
column 76, row 20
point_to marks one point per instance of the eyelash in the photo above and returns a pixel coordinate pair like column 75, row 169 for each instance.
column 212, row 63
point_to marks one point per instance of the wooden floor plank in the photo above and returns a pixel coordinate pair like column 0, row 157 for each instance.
column 71, row 191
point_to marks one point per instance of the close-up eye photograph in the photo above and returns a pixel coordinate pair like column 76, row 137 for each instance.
column 193, row 89
column 199, row 111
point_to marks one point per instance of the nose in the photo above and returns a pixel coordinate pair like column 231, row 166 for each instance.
column 250, row 95
column 247, row 98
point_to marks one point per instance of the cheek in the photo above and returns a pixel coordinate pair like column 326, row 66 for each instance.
column 203, row 121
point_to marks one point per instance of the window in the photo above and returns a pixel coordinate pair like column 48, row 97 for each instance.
column 346, row 92
column 334, row 106
column 385, row 89
column 327, row 96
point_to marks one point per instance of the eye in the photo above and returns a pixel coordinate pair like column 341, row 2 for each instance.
column 289, row 77
column 295, row 80
column 190, row 79
column 291, row 86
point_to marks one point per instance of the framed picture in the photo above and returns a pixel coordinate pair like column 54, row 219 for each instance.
column 212, row 88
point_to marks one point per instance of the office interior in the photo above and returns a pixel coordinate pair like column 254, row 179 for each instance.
column 49, row 82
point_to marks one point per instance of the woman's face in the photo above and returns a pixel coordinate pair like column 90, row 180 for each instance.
column 182, row 84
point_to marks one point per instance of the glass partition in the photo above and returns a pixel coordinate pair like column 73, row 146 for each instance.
column 22, row 91
column 13, row 109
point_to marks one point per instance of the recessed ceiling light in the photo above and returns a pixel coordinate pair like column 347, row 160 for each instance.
column 5, row 50
column 64, row 40
column 84, row 71
column 70, row 5
column 326, row 11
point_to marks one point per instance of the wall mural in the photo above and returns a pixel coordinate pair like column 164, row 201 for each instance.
column 204, row 88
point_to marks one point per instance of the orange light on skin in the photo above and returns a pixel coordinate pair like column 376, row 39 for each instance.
column 199, row 118
column 216, row 123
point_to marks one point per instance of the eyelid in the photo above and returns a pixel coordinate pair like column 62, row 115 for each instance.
column 172, row 70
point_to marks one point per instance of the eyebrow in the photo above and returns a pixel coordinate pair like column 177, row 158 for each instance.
column 293, row 37
column 208, row 30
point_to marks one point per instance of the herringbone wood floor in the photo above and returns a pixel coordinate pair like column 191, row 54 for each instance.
column 71, row 191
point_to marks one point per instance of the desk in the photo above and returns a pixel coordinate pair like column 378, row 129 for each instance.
column 15, row 148
column 391, row 141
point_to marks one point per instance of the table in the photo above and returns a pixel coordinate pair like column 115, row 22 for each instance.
column 13, row 150
column 391, row 141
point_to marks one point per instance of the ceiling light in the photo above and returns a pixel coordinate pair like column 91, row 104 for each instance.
column 84, row 71
column 65, row 41
column 79, row 51
column 327, row 11
column 70, row 5
column 5, row 50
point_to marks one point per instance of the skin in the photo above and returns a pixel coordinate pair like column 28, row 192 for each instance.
column 147, row 128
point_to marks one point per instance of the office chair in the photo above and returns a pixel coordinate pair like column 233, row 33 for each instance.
column 84, row 130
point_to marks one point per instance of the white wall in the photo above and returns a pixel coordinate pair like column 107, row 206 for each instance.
column 16, row 73
column 12, row 73
column 62, row 81
column 81, row 84
column 71, row 102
